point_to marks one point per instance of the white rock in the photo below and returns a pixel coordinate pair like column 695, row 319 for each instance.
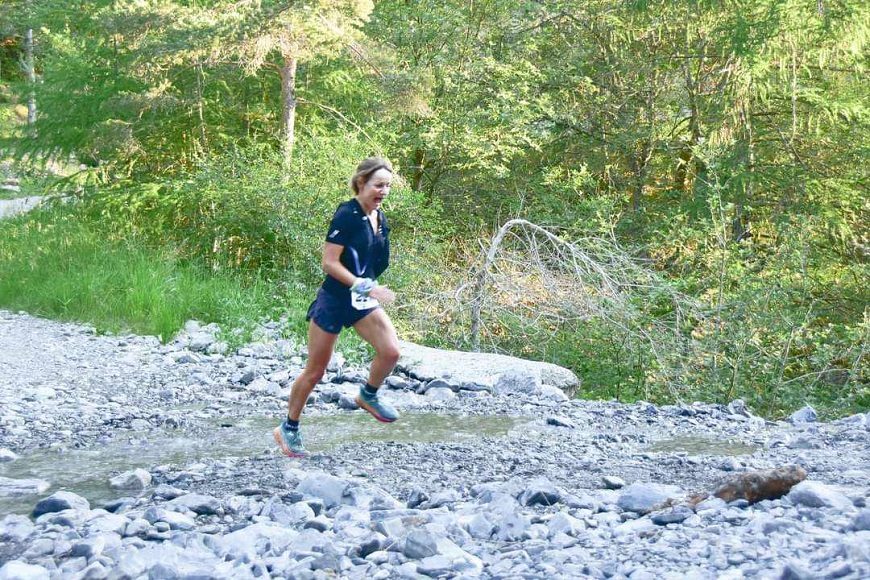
column 135, row 480
column 18, row 570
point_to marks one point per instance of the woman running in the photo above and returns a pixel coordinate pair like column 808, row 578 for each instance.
column 356, row 252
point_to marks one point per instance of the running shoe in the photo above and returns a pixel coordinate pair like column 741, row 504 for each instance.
column 289, row 441
column 383, row 412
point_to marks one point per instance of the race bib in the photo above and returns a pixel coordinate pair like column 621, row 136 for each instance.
column 362, row 302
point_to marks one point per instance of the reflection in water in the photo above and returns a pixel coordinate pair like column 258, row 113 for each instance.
column 702, row 446
column 87, row 471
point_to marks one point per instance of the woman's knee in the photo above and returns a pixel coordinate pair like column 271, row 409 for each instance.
column 313, row 373
column 390, row 353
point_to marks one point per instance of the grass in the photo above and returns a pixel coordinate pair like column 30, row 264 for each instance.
column 54, row 267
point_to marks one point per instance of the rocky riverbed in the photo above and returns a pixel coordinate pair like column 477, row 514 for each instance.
column 121, row 457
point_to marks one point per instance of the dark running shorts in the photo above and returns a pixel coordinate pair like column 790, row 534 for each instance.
column 332, row 313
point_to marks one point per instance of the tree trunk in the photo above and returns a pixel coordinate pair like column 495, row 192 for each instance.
column 417, row 180
column 31, row 76
column 288, row 113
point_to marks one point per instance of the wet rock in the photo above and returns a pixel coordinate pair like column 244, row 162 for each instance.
column 860, row 524
column 59, row 501
column 135, row 480
column 21, row 487
column 756, row 486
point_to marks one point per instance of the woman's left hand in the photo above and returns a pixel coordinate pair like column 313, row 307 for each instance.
column 382, row 294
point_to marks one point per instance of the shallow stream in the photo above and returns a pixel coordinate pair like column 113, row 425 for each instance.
column 87, row 471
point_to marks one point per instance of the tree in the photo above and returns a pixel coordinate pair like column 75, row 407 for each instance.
column 282, row 34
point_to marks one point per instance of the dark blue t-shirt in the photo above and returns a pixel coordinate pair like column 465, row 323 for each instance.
column 365, row 253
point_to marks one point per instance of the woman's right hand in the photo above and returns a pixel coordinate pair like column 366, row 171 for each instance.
column 382, row 294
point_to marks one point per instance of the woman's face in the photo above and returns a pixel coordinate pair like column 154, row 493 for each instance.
column 372, row 192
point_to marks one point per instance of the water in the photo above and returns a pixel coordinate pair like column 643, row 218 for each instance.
column 693, row 445
column 87, row 471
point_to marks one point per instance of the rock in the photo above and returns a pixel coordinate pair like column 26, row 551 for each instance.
column 804, row 416
column 860, row 524
column 795, row 571
column 21, row 487
column 738, row 407
column 104, row 523
column 643, row 498
column 612, row 482
column 200, row 341
column 7, row 455
column 438, row 384
column 18, row 570
column 198, row 503
column 564, row 523
column 440, row 394
column 88, row 548
column 510, row 523
column 558, row 421
column 815, row 494
column 421, row 544
column 135, row 480
column 15, row 528
column 59, row 501
column 552, row 393
column 676, row 515
column 167, row 492
column 518, row 382
column 755, row 486
column 427, row 363
column 480, row 527
column 348, row 403
column 326, row 487
column 292, row 515
column 540, row 492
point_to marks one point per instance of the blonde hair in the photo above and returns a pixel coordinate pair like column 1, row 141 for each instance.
column 366, row 168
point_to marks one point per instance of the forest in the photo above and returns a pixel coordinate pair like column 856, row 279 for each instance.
column 668, row 198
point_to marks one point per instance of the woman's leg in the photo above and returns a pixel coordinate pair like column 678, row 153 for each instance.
column 320, row 346
column 377, row 330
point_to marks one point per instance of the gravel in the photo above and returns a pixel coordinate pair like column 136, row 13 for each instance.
column 578, row 489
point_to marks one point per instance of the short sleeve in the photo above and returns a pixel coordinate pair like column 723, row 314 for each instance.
column 340, row 227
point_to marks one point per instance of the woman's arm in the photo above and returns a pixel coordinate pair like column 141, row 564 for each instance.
column 331, row 264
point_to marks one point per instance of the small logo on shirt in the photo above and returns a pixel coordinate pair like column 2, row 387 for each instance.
column 333, row 234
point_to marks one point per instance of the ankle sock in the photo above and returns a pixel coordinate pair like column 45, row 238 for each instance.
column 369, row 390
column 291, row 424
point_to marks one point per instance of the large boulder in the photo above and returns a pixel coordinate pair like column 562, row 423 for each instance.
column 427, row 364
